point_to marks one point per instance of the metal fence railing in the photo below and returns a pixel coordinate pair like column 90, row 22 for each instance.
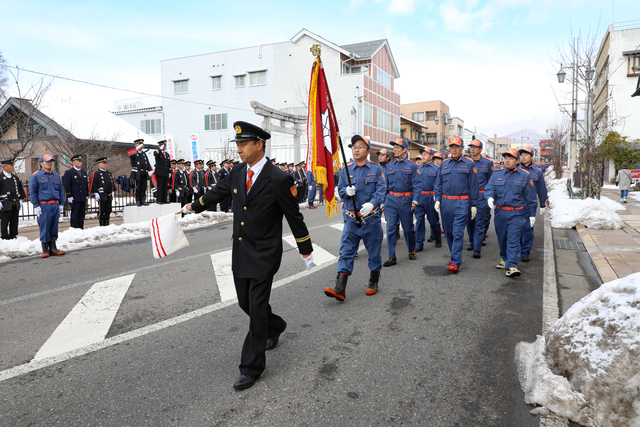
column 122, row 199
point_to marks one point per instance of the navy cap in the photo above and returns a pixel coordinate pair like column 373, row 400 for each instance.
column 101, row 160
column 138, row 141
column 356, row 138
column 187, row 163
column 427, row 150
column 476, row 143
column 246, row 132
column 527, row 150
column 383, row 152
column 401, row 142
column 211, row 163
column 77, row 157
column 437, row 155
column 46, row 158
column 180, row 161
column 163, row 142
column 7, row 162
column 511, row 152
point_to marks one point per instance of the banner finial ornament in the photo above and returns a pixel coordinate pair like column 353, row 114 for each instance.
column 316, row 50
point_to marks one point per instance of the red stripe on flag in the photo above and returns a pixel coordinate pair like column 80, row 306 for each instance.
column 155, row 238
column 160, row 239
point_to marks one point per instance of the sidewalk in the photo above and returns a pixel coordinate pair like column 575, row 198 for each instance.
column 615, row 253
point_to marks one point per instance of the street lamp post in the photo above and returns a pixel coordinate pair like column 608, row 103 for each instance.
column 446, row 119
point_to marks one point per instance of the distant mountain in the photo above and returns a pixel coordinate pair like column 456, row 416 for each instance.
column 533, row 136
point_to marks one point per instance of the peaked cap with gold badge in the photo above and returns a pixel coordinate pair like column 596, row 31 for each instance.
column 246, row 131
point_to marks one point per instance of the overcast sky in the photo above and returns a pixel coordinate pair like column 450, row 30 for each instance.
column 490, row 61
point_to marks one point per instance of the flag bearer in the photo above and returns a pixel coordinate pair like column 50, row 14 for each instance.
column 512, row 192
column 47, row 196
column 403, row 190
column 483, row 168
column 428, row 173
column 457, row 190
column 537, row 175
column 367, row 189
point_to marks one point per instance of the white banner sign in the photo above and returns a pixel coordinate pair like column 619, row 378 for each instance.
column 171, row 145
column 194, row 140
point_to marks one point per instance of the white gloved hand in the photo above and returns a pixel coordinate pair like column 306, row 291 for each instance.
column 70, row 200
column 184, row 209
column 97, row 197
column 542, row 211
column 170, row 191
column 1, row 205
column 61, row 208
column 308, row 260
column 490, row 203
column 310, row 187
column 532, row 220
column 436, row 206
column 38, row 211
column 366, row 209
column 177, row 193
column 113, row 195
column 20, row 205
column 351, row 191
column 474, row 212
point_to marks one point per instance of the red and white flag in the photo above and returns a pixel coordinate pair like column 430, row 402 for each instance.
column 166, row 236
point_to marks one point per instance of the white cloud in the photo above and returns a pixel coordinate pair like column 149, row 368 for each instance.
column 401, row 7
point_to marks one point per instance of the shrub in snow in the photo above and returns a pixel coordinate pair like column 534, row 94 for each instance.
column 587, row 365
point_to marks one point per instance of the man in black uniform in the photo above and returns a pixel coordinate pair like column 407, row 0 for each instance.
column 262, row 195
column 140, row 168
column 11, row 195
column 188, row 171
column 103, row 187
column 76, row 188
column 211, row 179
column 163, row 167
column 172, row 195
column 180, row 183
column 197, row 179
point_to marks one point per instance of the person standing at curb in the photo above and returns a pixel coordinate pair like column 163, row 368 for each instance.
column 47, row 196
column 623, row 181
column 103, row 187
column 11, row 195
column 76, row 188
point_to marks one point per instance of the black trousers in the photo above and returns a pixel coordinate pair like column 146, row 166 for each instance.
column 9, row 223
column 141, row 187
column 253, row 299
column 77, row 214
column 104, row 210
column 161, row 190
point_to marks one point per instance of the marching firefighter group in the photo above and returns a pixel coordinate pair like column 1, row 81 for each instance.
column 461, row 190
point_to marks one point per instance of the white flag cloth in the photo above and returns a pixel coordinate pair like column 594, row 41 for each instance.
column 166, row 236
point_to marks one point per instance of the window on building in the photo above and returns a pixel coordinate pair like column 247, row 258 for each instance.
column 215, row 121
column 368, row 113
column 151, row 127
column 216, row 82
column 432, row 139
column 35, row 164
column 451, row 127
column 346, row 69
column 396, row 124
column 384, row 78
column 240, row 81
column 417, row 117
column 258, row 78
column 431, row 117
column 384, row 120
column 180, row 86
column 634, row 66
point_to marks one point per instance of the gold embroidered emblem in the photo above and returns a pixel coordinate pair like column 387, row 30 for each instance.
column 235, row 191
column 294, row 190
column 238, row 129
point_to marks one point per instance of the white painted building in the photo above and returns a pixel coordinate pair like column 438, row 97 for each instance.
column 205, row 94
column 488, row 146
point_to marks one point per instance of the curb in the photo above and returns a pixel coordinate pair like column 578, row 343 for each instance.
column 550, row 308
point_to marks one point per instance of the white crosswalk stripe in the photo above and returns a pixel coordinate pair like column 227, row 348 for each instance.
column 224, row 276
column 89, row 321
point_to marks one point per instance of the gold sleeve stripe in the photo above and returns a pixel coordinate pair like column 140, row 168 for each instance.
column 201, row 200
column 303, row 239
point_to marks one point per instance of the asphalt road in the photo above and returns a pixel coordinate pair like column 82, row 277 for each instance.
column 430, row 349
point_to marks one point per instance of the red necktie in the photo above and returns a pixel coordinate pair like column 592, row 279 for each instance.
column 249, row 174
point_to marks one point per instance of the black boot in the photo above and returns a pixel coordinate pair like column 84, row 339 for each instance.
column 338, row 291
column 45, row 250
column 372, row 287
column 53, row 250
column 138, row 202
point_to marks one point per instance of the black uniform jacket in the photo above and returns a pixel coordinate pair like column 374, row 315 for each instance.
column 11, row 191
column 257, row 219
column 139, row 164
column 163, row 163
column 76, row 184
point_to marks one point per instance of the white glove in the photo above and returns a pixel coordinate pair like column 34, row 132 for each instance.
column 70, row 200
column 177, row 193
column 97, row 197
column 61, row 208
column 1, row 204
column 170, row 191
column 436, row 206
column 490, row 203
column 532, row 220
column 541, row 211
column 184, row 209
column 38, row 211
column 20, row 205
column 113, row 196
column 366, row 209
column 474, row 212
column 310, row 187
column 308, row 261
column 351, row 191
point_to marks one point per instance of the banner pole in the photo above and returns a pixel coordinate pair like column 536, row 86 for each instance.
column 346, row 168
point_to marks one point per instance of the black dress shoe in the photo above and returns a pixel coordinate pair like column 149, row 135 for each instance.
column 244, row 381
column 476, row 254
column 430, row 239
column 273, row 342
column 525, row 259
column 439, row 244
column 470, row 247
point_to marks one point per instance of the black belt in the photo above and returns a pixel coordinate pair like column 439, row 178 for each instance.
column 362, row 218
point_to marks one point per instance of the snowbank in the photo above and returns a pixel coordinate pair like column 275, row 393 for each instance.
column 592, row 213
column 587, row 365
column 74, row 238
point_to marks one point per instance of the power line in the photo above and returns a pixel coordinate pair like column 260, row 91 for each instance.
column 124, row 90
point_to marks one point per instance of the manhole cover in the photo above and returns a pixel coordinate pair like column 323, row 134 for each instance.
column 435, row 270
column 569, row 244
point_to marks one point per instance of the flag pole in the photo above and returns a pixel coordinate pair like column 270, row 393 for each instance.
column 346, row 168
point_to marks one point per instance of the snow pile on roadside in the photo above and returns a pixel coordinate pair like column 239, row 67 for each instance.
column 566, row 212
column 612, row 204
column 74, row 238
column 587, row 365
